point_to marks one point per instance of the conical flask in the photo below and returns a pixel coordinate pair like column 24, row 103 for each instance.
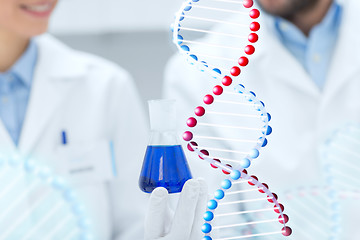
column 164, row 163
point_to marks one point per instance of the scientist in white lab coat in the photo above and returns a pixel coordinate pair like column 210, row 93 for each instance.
column 58, row 105
column 306, row 69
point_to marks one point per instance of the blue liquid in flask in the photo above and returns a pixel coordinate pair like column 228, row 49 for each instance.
column 164, row 166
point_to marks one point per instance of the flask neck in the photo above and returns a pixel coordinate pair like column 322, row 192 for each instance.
column 164, row 138
column 162, row 115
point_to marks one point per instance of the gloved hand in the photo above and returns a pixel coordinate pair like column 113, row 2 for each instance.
column 188, row 217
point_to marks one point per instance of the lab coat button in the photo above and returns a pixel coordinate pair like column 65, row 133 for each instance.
column 4, row 100
column 316, row 58
column 284, row 26
column 10, row 78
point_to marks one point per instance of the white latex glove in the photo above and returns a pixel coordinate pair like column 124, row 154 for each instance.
column 188, row 217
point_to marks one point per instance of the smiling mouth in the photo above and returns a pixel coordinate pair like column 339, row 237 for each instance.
column 38, row 8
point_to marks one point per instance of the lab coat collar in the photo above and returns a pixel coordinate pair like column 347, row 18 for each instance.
column 24, row 67
column 64, row 65
column 279, row 64
column 55, row 74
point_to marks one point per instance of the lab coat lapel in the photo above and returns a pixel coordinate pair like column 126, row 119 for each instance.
column 44, row 101
column 56, row 72
column 279, row 65
column 345, row 65
column 7, row 145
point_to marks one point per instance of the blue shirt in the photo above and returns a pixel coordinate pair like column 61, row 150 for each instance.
column 315, row 51
column 15, row 86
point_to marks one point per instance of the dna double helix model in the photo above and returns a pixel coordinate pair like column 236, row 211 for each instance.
column 332, row 202
column 340, row 156
column 37, row 204
column 231, row 125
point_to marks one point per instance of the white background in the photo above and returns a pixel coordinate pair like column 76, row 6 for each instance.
column 99, row 16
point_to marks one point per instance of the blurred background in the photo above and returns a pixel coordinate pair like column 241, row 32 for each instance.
column 134, row 34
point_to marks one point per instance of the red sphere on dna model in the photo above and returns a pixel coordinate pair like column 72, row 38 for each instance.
column 249, row 49
column 251, row 182
column 208, row 99
column 243, row 61
column 253, row 37
column 286, row 231
column 277, row 210
column 213, row 165
column 199, row 111
column 248, row 3
column 205, row 152
column 272, row 199
column 189, row 146
column 262, row 190
column 254, row 13
column 225, row 171
column 235, row 71
column 226, row 81
column 218, row 90
column 254, row 26
column 187, row 136
column 283, row 219
column 191, row 122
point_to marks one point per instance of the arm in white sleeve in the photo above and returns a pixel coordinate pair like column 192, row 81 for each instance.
column 130, row 136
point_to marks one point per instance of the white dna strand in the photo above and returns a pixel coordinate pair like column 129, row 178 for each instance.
column 340, row 158
column 315, row 213
column 229, row 129
column 35, row 204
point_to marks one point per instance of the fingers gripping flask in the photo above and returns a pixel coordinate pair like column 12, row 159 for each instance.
column 164, row 163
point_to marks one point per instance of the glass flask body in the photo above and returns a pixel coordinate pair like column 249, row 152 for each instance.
column 164, row 163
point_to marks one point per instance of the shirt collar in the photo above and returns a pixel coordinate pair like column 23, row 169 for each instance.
column 25, row 65
column 289, row 32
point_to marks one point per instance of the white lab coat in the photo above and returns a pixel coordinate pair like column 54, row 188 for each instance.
column 302, row 115
column 95, row 102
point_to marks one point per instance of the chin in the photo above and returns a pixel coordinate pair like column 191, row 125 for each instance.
column 285, row 8
column 274, row 7
column 38, row 32
column 33, row 31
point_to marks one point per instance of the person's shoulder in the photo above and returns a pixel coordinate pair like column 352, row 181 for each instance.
column 63, row 54
column 175, row 61
column 101, row 64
